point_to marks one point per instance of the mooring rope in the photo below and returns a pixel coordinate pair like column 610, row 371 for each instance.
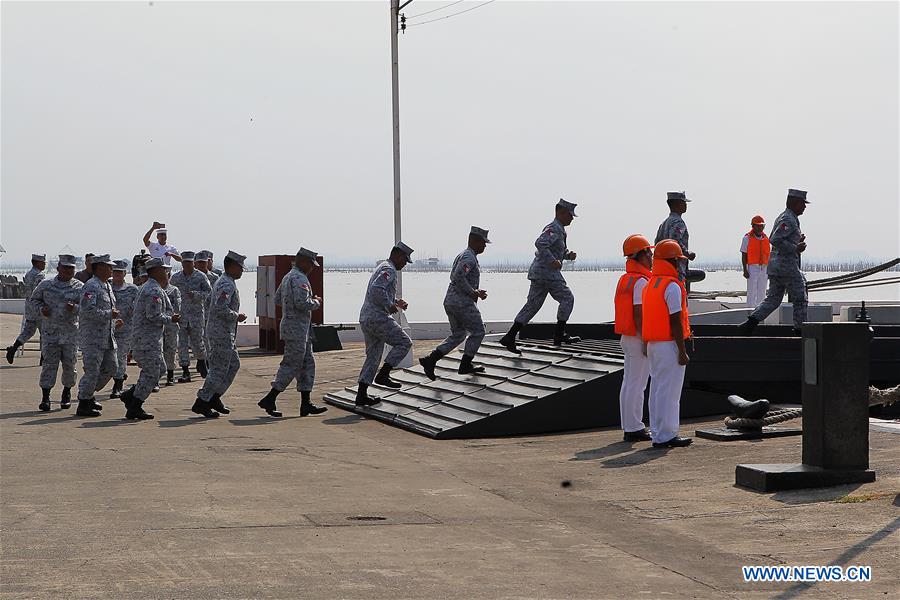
column 780, row 415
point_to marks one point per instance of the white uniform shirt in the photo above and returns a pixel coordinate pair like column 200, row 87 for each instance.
column 158, row 250
column 673, row 298
column 639, row 286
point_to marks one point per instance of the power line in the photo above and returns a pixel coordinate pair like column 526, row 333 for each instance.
column 451, row 15
column 427, row 12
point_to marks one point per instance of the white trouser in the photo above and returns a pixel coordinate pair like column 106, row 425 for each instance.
column 756, row 285
column 634, row 382
column 666, row 379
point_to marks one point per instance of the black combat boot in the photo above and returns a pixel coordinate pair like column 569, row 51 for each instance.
column 467, row 368
column 202, row 407
column 268, row 403
column 362, row 396
column 65, row 401
column 508, row 341
column 384, row 378
column 429, row 362
column 136, row 410
column 561, row 337
column 86, row 408
column 44, row 406
column 11, row 351
column 308, row 408
column 216, row 403
column 201, row 368
column 170, row 377
column 185, row 375
column 747, row 327
column 127, row 397
column 117, row 388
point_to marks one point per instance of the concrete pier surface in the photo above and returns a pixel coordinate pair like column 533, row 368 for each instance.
column 339, row 506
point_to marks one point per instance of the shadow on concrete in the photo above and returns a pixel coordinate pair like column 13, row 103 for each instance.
column 261, row 420
column 119, row 421
column 897, row 500
column 846, row 556
column 182, row 422
column 814, row 495
column 345, row 420
column 612, row 449
column 63, row 418
column 26, row 413
column 638, row 457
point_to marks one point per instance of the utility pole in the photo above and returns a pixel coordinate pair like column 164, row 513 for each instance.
column 396, row 7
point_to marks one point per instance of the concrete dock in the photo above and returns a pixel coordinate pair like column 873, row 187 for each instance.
column 339, row 506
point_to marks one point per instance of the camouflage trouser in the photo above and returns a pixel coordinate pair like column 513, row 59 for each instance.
column 191, row 331
column 297, row 363
column 123, row 347
column 99, row 365
column 795, row 286
column 55, row 353
column 464, row 320
column 29, row 328
column 171, row 343
column 377, row 333
column 153, row 366
column 537, row 293
column 223, row 367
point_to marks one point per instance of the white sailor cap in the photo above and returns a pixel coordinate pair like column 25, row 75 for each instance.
column 162, row 230
column 482, row 233
column 569, row 206
column 405, row 250
column 310, row 254
column 238, row 258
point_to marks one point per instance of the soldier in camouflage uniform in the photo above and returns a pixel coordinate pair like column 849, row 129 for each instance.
column 788, row 242
column 297, row 302
column 221, row 328
column 195, row 290
column 152, row 312
column 379, row 328
column 674, row 228
column 546, row 277
column 98, row 320
column 203, row 263
column 31, row 321
column 57, row 301
column 171, row 340
column 461, row 306
column 126, row 294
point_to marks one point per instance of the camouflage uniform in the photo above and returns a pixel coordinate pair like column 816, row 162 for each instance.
column 295, row 297
column 784, row 269
column 221, row 328
column 152, row 313
column 125, row 297
column 377, row 325
column 461, row 307
column 31, row 321
column 96, row 337
column 195, row 291
column 551, row 246
column 674, row 228
column 59, row 331
column 171, row 339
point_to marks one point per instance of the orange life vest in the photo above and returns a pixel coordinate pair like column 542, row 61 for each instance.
column 758, row 249
column 634, row 271
column 656, row 324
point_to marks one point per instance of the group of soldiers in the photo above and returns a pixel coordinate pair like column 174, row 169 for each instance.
column 197, row 309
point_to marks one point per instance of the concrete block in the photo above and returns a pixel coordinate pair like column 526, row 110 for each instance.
column 880, row 314
column 815, row 313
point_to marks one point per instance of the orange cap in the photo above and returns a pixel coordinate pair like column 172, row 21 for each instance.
column 668, row 249
column 634, row 243
column 757, row 220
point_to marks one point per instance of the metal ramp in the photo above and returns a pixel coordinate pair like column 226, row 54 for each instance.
column 545, row 389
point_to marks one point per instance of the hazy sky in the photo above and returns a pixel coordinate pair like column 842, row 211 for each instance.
column 265, row 126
